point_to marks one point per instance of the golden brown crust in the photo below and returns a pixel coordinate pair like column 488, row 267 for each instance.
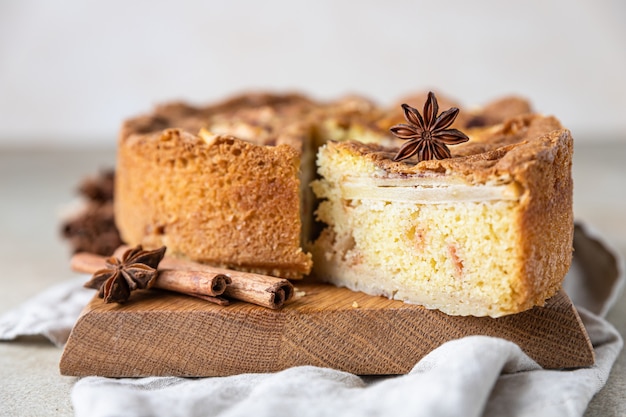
column 262, row 118
column 496, row 112
column 228, row 202
column 501, row 149
column 547, row 222
column 492, row 113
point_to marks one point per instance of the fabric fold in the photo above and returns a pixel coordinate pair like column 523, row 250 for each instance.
column 51, row 314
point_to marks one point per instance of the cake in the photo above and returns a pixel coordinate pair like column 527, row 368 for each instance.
column 229, row 183
column 487, row 232
column 219, row 184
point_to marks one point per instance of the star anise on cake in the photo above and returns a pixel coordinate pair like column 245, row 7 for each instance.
column 136, row 270
column 427, row 136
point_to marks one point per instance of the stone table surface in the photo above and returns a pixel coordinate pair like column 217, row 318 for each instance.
column 38, row 186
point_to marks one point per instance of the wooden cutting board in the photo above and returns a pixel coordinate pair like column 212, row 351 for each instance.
column 161, row 333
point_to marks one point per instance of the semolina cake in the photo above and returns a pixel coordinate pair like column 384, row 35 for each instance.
column 487, row 232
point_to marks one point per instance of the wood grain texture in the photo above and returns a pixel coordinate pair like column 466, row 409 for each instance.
column 161, row 333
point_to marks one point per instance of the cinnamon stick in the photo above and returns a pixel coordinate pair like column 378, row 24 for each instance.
column 192, row 282
column 202, row 284
column 262, row 290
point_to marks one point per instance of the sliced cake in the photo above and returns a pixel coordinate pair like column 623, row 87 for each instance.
column 486, row 232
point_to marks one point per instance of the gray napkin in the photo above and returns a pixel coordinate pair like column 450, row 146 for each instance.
column 51, row 314
column 473, row 376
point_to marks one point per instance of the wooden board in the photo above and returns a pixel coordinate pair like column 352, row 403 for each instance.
column 161, row 333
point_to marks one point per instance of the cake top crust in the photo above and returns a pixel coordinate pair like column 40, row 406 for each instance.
column 261, row 118
column 492, row 153
column 267, row 118
column 504, row 134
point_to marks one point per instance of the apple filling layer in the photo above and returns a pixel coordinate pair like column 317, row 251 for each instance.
column 425, row 190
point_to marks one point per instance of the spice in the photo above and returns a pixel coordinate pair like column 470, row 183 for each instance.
column 92, row 228
column 427, row 136
column 136, row 270
column 200, row 280
column 206, row 285
column 98, row 188
column 262, row 290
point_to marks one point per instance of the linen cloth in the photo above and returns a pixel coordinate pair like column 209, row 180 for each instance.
column 472, row 376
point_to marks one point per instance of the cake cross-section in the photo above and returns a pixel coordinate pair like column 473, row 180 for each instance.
column 487, row 232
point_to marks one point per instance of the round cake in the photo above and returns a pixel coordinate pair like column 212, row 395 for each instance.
column 485, row 232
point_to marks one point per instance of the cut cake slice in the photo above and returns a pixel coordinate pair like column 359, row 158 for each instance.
column 487, row 232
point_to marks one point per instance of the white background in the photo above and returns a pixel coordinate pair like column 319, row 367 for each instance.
column 71, row 70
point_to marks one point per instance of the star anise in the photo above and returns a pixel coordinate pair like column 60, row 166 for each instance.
column 136, row 270
column 428, row 136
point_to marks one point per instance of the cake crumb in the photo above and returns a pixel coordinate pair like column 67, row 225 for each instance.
column 355, row 304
